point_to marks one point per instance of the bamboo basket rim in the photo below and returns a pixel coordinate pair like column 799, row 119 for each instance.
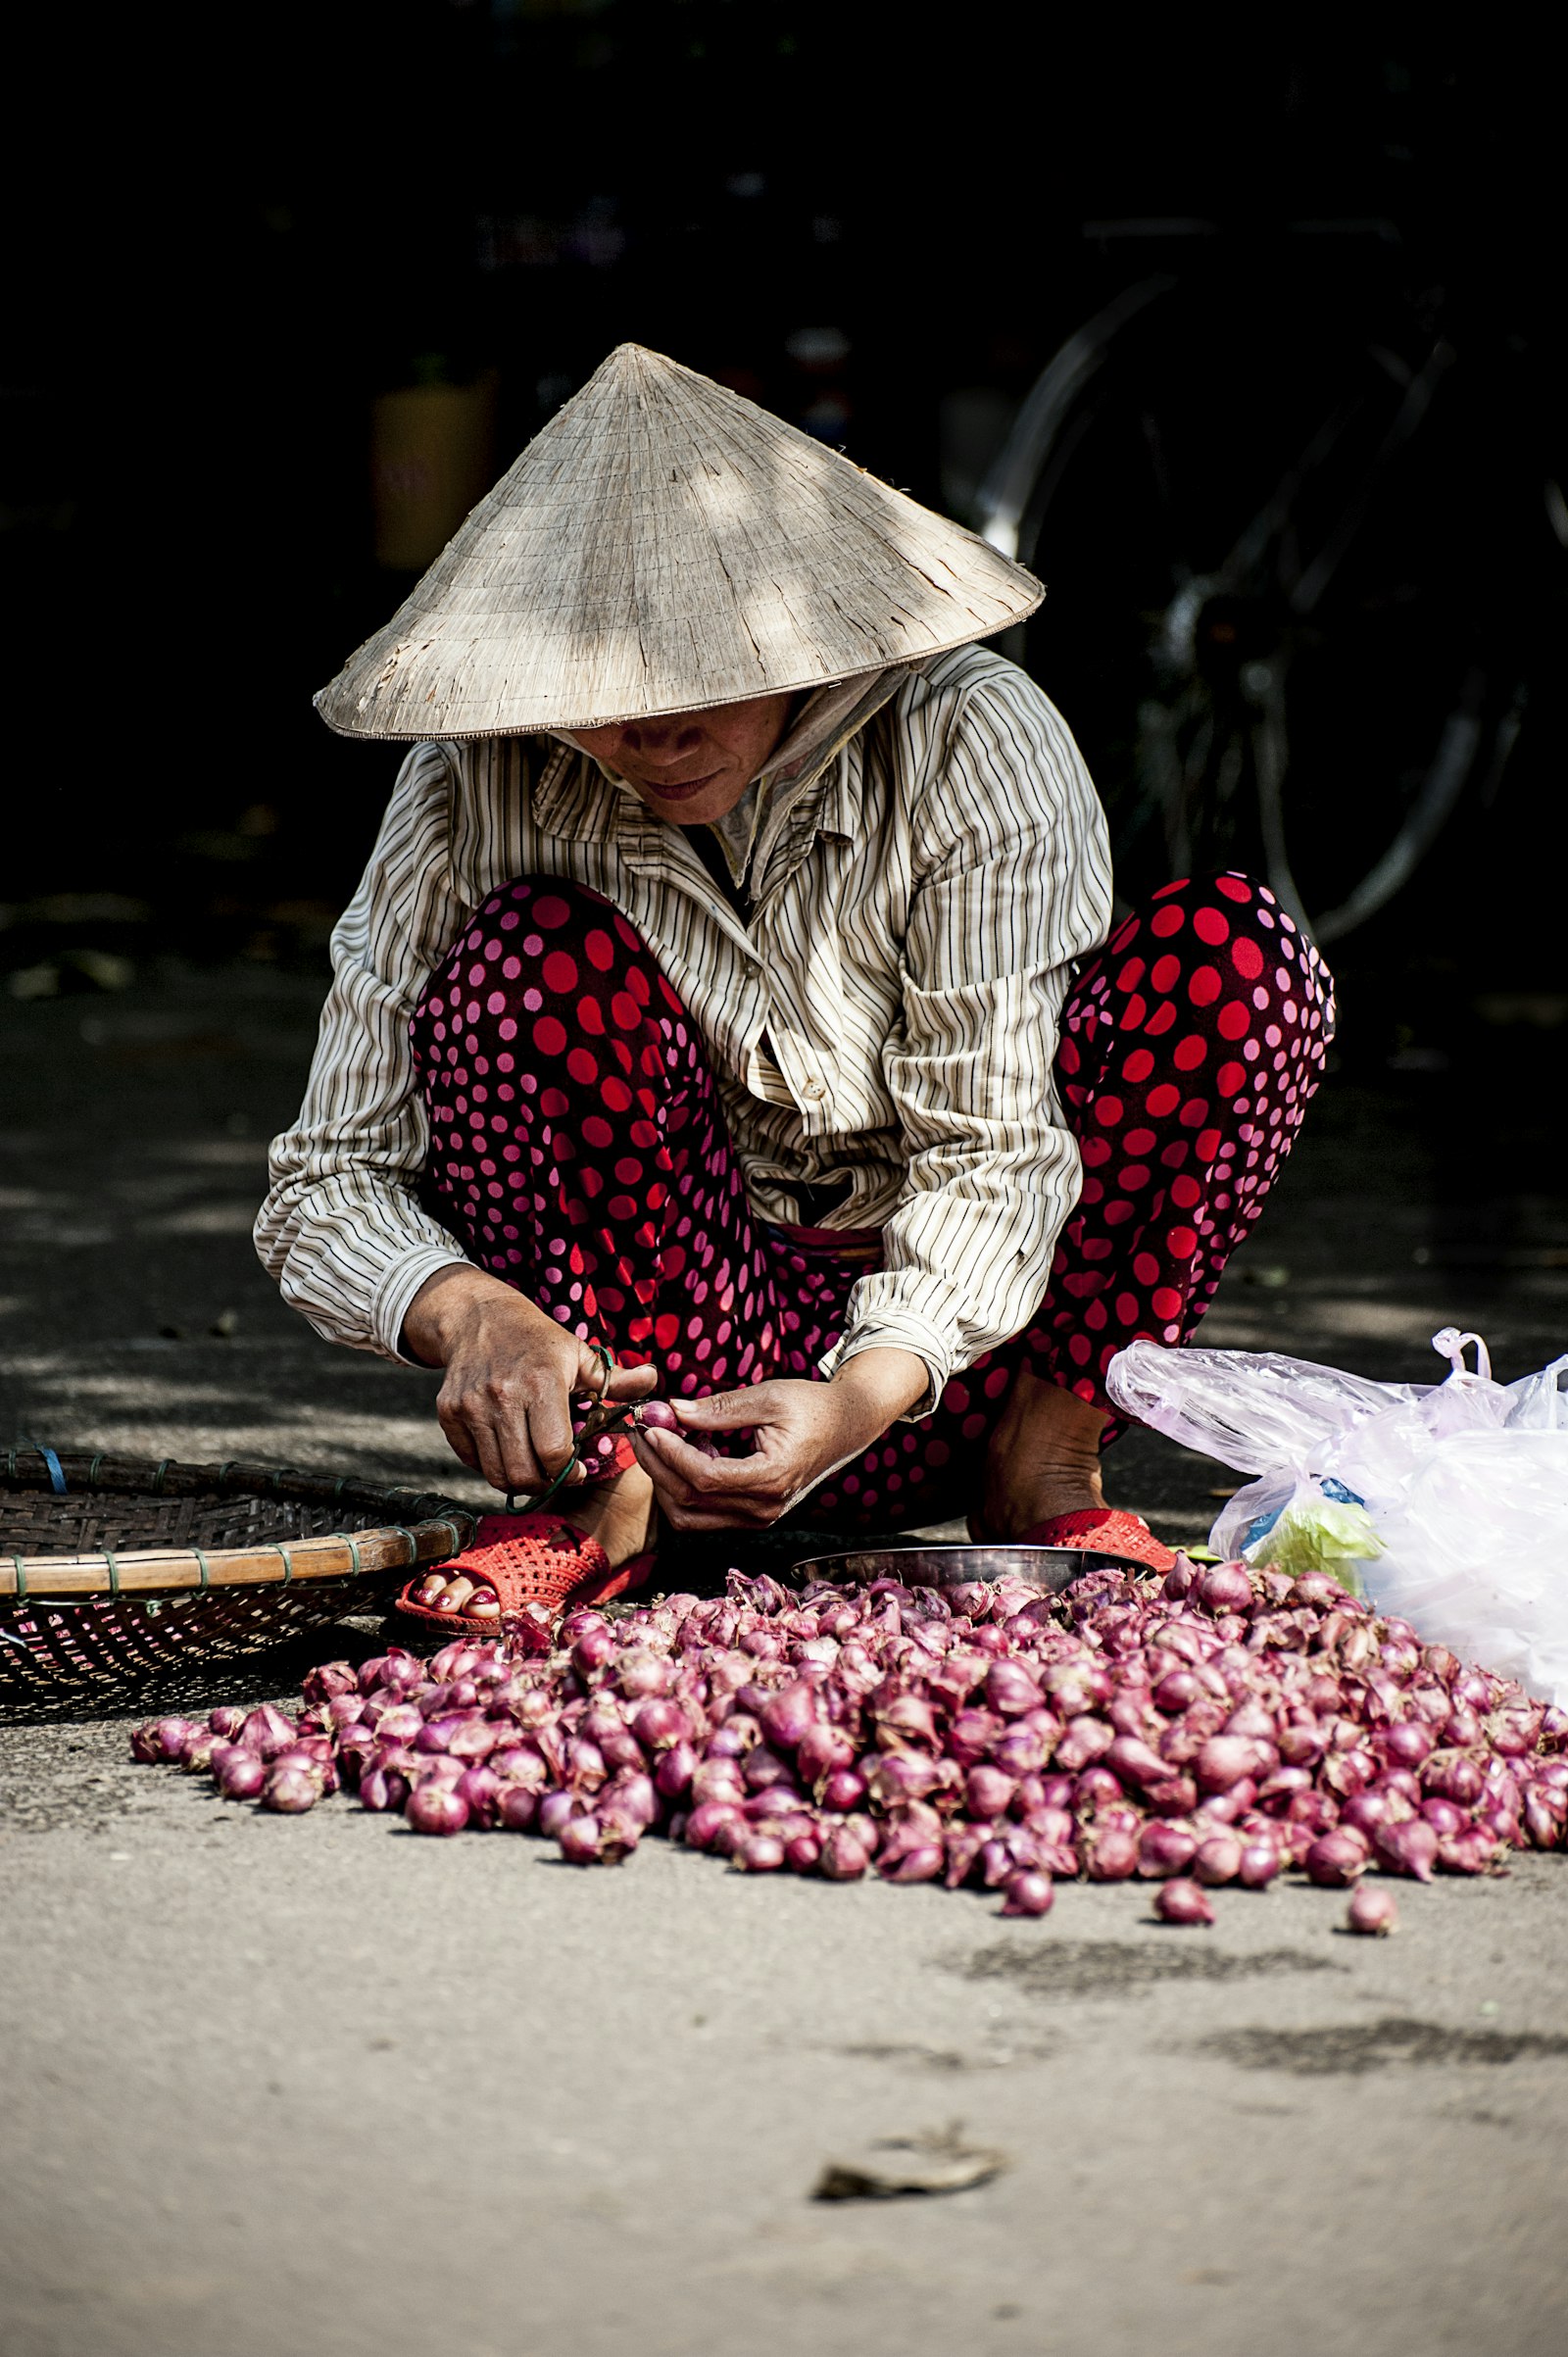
column 432, row 1529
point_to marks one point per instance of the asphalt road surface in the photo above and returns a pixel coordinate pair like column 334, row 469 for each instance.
column 318, row 2085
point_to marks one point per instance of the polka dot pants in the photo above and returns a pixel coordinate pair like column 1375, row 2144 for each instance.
column 579, row 1151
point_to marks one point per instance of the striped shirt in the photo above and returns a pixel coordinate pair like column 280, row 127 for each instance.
column 886, row 1022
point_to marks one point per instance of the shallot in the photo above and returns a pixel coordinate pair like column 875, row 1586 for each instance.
column 1181, row 1902
column 1371, row 1910
column 1209, row 1731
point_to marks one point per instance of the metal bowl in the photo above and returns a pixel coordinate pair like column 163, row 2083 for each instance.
column 1048, row 1568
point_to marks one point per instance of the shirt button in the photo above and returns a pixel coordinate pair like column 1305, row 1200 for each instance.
column 816, row 1090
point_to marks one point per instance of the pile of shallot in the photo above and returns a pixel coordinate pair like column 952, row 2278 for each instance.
column 1212, row 1730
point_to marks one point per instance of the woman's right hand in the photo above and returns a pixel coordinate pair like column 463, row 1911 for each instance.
column 511, row 1376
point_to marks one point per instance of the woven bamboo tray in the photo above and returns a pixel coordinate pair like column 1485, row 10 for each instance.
column 134, row 1571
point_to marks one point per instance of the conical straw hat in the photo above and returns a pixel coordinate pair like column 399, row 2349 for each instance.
column 661, row 546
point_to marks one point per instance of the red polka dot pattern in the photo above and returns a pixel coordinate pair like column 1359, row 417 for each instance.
column 578, row 1152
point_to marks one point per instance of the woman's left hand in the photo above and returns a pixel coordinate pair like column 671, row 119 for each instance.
column 803, row 1432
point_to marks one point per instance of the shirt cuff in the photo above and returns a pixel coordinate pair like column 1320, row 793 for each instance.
column 389, row 1305
column 904, row 1333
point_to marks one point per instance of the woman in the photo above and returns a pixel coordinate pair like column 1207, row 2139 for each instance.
column 727, row 1009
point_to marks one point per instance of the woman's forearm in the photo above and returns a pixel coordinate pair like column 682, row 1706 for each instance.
column 878, row 1387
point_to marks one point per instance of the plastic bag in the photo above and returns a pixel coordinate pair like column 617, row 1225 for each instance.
column 1458, row 1489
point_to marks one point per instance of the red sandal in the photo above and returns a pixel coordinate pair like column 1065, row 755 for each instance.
column 1102, row 1531
column 528, row 1559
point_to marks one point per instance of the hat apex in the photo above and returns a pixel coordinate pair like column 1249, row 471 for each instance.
column 664, row 545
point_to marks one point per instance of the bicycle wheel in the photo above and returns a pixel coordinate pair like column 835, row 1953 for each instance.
column 1274, row 533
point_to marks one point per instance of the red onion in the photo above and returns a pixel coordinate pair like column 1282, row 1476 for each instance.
column 1410, row 1847
column 760, row 1853
column 764, row 1766
column 675, row 1770
column 592, row 1650
column 1227, row 1588
column 705, row 1821
column 1111, row 1856
column 659, row 1724
column 789, row 1714
column 823, row 1750
column 579, row 1842
column 641, row 1675
column 1096, row 1789
column 225, row 1721
column 1371, row 1910
column 305, row 1756
column 1085, row 1741
column 1408, row 1744
column 987, row 1792
column 402, row 1724
column 1453, row 1776
column 1028, row 1893
column 1224, row 1761
column 1334, row 1859
column 844, row 1791
column 1177, row 1796
column 1010, row 1690
column 473, row 1738
column 1165, row 1849
column 1132, row 1762
column 384, row 1789
column 479, row 1790
column 241, row 1775
column 658, row 1415
column 555, row 1810
column 291, row 1791
column 267, row 1732
column 1183, row 1903
column 1364, row 1812
column 1259, row 1864
column 907, row 1719
column 920, row 1863
column 845, row 1858
column 1471, row 1851
column 1444, row 1816
column 802, row 1853
column 331, row 1678
column 632, row 1797
column 1217, row 1860
column 1177, row 1691
column 516, row 1808
column 1545, row 1818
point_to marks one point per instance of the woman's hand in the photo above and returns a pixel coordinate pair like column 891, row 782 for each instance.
column 511, row 1376
column 803, row 1431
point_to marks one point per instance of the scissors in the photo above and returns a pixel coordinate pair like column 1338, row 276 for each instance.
column 606, row 1415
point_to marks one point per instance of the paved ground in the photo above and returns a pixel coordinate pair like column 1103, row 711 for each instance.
column 322, row 2085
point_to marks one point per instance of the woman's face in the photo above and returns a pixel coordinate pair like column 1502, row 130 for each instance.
column 691, row 767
